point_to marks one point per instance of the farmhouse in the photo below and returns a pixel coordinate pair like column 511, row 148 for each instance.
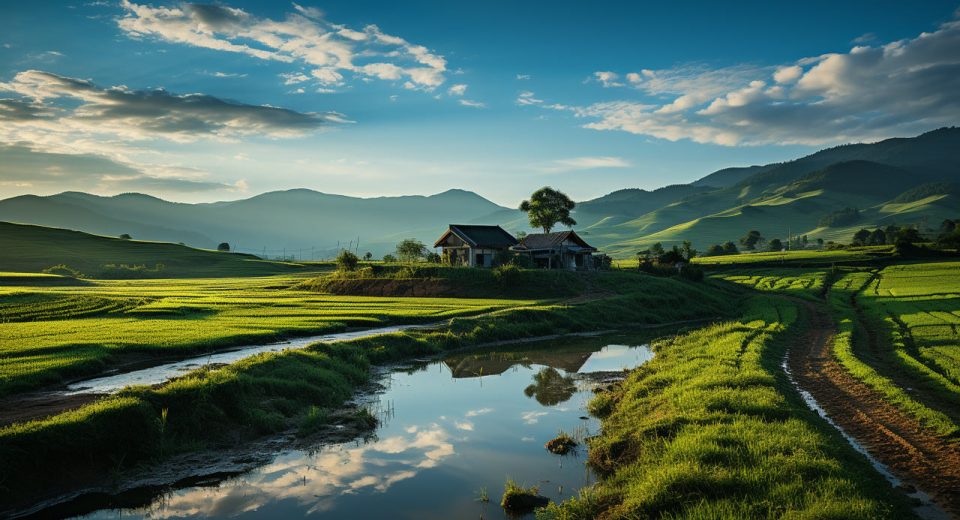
column 560, row 250
column 474, row 246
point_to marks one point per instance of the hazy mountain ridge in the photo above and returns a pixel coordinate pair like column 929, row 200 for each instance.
column 777, row 199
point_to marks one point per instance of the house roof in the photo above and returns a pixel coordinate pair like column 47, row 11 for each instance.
column 535, row 241
column 479, row 236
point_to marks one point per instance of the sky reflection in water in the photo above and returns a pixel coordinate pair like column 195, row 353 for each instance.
column 450, row 432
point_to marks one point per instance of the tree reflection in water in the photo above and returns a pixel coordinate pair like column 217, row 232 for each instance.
column 550, row 387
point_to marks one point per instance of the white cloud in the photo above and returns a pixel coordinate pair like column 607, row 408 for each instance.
column 304, row 37
column 479, row 411
column 868, row 93
column 472, row 104
column 585, row 163
column 528, row 98
column 532, row 417
column 523, row 77
column 457, row 90
column 607, row 79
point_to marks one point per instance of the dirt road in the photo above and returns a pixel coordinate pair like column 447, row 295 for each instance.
column 914, row 454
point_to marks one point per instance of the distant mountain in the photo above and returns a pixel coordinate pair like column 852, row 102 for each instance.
column 295, row 222
column 901, row 180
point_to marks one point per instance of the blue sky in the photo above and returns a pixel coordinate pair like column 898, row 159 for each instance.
column 385, row 98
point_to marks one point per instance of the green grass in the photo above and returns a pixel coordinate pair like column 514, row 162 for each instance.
column 849, row 348
column 48, row 334
column 287, row 390
column 711, row 429
column 803, row 256
column 802, row 283
column 31, row 249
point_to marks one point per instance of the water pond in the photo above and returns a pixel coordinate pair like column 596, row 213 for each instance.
column 452, row 431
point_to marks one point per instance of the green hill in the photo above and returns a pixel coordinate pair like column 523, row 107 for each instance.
column 31, row 249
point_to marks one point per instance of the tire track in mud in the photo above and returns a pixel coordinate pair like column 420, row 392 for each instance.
column 912, row 453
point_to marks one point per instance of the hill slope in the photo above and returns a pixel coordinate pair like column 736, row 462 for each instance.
column 31, row 249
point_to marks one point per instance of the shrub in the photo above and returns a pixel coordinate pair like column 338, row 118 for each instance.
column 63, row 270
column 225, row 247
column 347, row 261
column 507, row 274
column 389, row 259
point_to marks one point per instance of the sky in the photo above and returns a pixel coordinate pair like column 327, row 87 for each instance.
column 205, row 102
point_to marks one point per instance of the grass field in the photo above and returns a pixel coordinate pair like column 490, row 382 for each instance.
column 802, row 282
column 48, row 333
column 271, row 392
column 710, row 428
column 917, row 306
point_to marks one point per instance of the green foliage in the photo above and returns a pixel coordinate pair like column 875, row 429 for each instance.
column 223, row 247
column 347, row 261
column 775, row 245
column 389, row 259
column 751, row 239
column 926, row 190
column 63, row 270
column 548, row 207
column 410, row 250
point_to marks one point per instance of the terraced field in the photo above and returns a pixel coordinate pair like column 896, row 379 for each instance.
column 50, row 332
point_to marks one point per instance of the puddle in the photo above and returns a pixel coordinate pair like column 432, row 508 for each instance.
column 449, row 430
column 161, row 373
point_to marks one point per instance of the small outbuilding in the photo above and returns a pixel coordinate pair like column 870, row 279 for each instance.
column 560, row 250
column 473, row 245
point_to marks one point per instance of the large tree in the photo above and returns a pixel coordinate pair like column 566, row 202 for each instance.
column 751, row 239
column 411, row 250
column 548, row 207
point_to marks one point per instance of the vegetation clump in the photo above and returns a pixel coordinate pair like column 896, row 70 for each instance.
column 548, row 207
column 518, row 499
column 561, row 444
column 347, row 261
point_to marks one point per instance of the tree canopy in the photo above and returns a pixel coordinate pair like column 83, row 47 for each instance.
column 411, row 250
column 548, row 207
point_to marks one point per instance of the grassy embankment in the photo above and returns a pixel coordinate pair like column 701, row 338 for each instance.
column 274, row 392
column 710, row 428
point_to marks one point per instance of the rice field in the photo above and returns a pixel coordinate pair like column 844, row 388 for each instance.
column 919, row 305
column 48, row 333
column 802, row 283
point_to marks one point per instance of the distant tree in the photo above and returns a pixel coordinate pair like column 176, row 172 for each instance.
column 644, row 256
column 949, row 237
column 803, row 240
column 347, row 261
column 715, row 250
column 389, row 259
column 891, row 232
column 411, row 250
column 877, row 238
column 671, row 257
column 751, row 239
column 656, row 250
column 776, row 245
column 688, row 250
column 433, row 258
column 223, row 247
column 844, row 217
column 820, row 243
column 910, row 235
column 125, row 236
column 729, row 248
column 368, row 256
column 520, row 235
column 860, row 238
column 548, row 207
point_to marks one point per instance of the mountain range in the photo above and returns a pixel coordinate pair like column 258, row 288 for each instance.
column 901, row 180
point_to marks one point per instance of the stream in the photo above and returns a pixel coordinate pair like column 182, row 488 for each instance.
column 451, row 432
column 161, row 373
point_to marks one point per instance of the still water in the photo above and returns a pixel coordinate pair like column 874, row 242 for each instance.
column 450, row 430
